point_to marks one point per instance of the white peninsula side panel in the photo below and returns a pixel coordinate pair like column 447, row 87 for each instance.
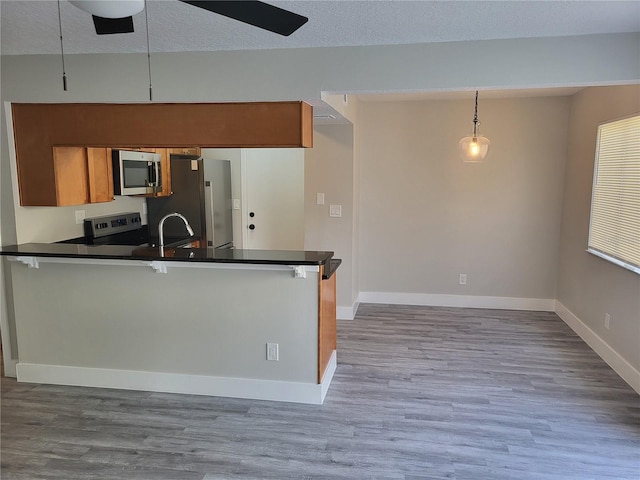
column 199, row 329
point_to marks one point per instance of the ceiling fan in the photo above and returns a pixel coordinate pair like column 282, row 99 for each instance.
column 115, row 16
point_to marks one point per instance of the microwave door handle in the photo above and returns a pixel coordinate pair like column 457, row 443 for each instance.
column 156, row 175
column 151, row 174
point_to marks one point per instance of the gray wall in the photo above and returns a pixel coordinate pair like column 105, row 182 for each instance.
column 196, row 320
column 426, row 216
column 329, row 170
column 587, row 285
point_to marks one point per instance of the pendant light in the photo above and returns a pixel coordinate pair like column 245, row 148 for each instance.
column 146, row 22
column 64, row 73
column 474, row 147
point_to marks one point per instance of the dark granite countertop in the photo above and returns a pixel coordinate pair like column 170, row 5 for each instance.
column 330, row 267
column 176, row 254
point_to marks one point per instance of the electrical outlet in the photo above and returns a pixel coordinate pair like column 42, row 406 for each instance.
column 273, row 352
column 607, row 321
column 80, row 216
column 335, row 210
column 462, row 280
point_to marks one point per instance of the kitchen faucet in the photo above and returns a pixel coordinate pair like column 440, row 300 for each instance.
column 161, row 226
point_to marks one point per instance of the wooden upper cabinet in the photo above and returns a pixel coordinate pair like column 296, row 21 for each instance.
column 40, row 127
column 100, row 173
column 80, row 175
column 185, row 151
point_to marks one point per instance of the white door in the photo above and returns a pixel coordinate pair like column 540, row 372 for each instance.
column 273, row 191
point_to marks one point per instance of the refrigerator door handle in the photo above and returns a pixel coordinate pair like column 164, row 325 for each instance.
column 208, row 208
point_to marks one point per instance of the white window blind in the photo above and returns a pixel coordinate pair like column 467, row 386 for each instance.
column 614, row 231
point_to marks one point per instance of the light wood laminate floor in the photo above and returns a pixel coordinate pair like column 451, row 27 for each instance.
column 419, row 393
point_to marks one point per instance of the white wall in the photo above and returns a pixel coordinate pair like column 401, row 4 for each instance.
column 426, row 216
column 329, row 170
column 589, row 286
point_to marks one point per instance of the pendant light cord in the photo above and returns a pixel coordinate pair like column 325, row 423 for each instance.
column 475, row 117
column 64, row 73
column 146, row 18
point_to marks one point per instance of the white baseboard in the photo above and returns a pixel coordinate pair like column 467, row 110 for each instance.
column 623, row 368
column 347, row 313
column 275, row 390
column 465, row 301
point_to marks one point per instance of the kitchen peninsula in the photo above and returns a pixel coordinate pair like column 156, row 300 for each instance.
column 239, row 323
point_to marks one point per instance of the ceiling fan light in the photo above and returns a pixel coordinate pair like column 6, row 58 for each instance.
column 110, row 8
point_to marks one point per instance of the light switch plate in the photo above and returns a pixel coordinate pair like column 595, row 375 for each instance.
column 335, row 210
column 319, row 198
column 236, row 204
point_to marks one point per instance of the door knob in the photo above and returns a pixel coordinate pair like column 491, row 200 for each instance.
column 252, row 227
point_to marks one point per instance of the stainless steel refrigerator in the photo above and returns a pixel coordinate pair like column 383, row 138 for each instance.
column 202, row 193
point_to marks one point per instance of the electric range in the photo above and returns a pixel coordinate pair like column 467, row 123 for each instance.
column 118, row 229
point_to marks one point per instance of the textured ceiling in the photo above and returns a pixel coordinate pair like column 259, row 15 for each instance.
column 31, row 27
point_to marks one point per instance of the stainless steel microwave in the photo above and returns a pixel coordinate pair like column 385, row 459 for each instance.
column 136, row 173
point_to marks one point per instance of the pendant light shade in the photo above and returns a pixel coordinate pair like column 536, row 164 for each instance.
column 474, row 147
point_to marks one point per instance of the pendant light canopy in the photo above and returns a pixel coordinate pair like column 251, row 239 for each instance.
column 474, row 147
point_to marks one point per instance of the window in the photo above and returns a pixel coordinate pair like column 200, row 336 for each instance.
column 614, row 230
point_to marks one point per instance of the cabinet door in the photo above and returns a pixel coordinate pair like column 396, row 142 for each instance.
column 100, row 175
column 166, row 173
column 82, row 175
column 71, row 175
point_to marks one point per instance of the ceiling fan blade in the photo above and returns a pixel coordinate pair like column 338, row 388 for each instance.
column 258, row 14
column 109, row 26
